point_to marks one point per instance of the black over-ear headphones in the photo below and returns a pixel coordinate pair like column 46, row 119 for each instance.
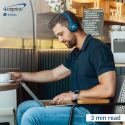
column 73, row 27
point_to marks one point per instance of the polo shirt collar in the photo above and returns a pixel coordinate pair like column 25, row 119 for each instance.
column 86, row 42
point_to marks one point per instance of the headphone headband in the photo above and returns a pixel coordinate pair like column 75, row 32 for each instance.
column 73, row 27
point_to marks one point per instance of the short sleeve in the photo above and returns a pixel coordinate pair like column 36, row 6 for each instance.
column 102, row 59
column 67, row 62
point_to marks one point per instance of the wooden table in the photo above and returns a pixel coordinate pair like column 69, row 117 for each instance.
column 93, row 101
column 9, row 86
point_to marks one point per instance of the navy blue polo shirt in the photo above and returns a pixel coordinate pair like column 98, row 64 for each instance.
column 86, row 64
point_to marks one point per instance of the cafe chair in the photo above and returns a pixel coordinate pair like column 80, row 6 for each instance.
column 119, row 99
column 8, row 105
column 117, row 105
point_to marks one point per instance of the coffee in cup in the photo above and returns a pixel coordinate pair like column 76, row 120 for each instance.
column 4, row 77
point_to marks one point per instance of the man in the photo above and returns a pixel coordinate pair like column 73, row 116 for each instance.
column 92, row 71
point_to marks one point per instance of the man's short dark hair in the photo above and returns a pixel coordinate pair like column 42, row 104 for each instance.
column 61, row 19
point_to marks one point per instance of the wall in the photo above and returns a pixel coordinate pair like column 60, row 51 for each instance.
column 43, row 59
column 16, row 18
column 49, row 59
column 42, row 6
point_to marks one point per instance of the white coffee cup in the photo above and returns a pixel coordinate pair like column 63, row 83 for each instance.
column 122, row 28
column 4, row 77
column 115, row 27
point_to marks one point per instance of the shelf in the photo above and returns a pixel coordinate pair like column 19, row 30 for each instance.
column 113, row 19
column 84, row 1
column 114, row 12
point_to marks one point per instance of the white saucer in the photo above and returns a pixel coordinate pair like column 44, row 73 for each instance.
column 6, row 82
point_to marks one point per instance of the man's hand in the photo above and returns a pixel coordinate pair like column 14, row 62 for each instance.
column 63, row 98
column 16, row 76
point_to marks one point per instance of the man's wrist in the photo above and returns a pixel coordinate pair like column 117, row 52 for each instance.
column 75, row 97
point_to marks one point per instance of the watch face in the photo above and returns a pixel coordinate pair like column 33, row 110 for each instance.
column 76, row 92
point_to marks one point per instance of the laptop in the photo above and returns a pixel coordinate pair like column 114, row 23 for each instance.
column 44, row 103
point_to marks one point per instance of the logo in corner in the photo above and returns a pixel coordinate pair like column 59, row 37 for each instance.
column 13, row 9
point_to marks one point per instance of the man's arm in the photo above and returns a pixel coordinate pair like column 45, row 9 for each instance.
column 105, row 88
column 55, row 74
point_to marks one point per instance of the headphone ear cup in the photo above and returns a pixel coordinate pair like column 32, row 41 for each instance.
column 73, row 27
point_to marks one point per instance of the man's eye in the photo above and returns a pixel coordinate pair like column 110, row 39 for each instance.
column 60, row 34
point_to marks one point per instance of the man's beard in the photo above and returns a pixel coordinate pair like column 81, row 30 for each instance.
column 72, row 42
